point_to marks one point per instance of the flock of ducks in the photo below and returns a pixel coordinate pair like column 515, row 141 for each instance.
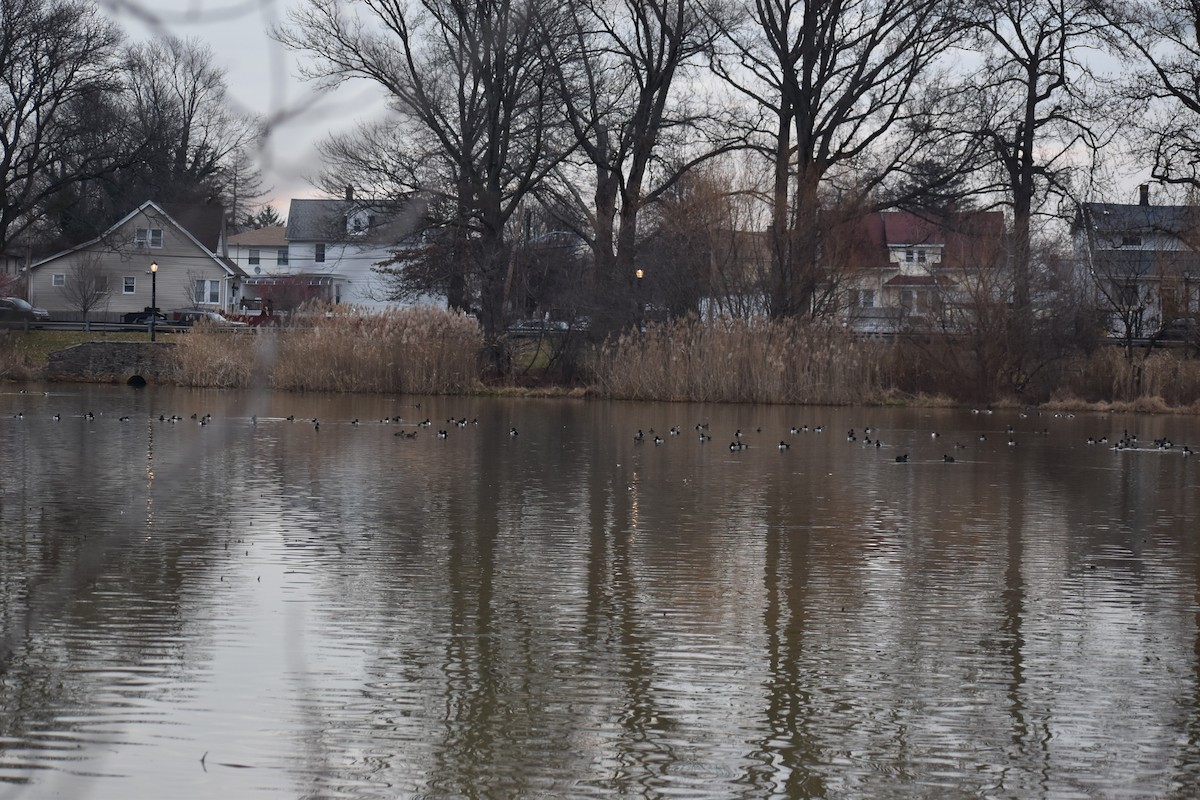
column 868, row 436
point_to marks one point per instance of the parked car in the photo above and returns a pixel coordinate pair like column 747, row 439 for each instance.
column 192, row 316
column 17, row 313
column 1183, row 329
column 143, row 317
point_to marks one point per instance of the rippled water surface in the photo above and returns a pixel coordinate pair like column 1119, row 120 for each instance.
column 264, row 608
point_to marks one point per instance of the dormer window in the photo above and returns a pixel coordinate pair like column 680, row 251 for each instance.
column 1131, row 241
column 359, row 223
column 910, row 256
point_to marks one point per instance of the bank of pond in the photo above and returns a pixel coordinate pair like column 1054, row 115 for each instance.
column 431, row 351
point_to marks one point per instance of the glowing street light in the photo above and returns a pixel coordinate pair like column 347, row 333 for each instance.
column 153, row 296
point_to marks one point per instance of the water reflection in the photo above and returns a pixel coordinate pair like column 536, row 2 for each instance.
column 340, row 611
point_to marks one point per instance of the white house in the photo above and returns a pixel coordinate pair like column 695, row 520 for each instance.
column 111, row 274
column 911, row 271
column 329, row 251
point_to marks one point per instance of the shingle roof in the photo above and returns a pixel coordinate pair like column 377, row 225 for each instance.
column 965, row 239
column 327, row 220
column 270, row 236
column 1125, row 218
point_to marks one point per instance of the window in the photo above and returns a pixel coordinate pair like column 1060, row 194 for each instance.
column 281, row 256
column 129, row 284
column 208, row 292
column 148, row 237
column 58, row 279
column 319, row 253
column 866, row 298
column 921, row 256
column 1131, row 241
column 253, row 259
column 910, row 256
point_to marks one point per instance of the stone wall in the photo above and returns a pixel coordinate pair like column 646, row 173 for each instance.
column 113, row 362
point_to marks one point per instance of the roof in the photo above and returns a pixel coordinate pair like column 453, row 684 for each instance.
column 919, row 280
column 1128, row 218
column 965, row 239
column 392, row 221
column 270, row 236
column 201, row 218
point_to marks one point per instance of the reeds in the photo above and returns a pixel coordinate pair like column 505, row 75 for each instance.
column 752, row 361
column 421, row 350
column 1160, row 380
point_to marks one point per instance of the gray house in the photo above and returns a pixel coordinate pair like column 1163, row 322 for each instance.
column 111, row 274
column 1144, row 261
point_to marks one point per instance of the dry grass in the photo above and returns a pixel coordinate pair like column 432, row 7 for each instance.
column 758, row 361
column 425, row 351
column 1161, row 380
column 14, row 365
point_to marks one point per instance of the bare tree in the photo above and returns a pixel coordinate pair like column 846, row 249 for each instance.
column 1039, row 107
column 848, row 95
column 621, row 70
column 467, row 81
column 55, row 55
column 86, row 288
column 1161, row 39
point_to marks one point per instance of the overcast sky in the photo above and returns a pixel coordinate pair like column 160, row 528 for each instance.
column 262, row 78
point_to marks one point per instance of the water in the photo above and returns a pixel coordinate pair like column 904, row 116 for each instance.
column 258, row 608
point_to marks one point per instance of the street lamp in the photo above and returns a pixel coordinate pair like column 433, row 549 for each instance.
column 641, row 320
column 153, row 297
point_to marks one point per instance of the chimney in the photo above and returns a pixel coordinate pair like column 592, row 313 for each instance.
column 349, row 192
column 1144, row 194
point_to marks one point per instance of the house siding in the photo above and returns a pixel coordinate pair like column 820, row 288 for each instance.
column 180, row 263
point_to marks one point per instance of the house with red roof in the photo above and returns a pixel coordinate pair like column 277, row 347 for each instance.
column 905, row 271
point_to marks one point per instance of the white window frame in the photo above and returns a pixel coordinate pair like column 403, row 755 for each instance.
column 319, row 252
column 866, row 298
column 129, row 284
column 910, row 256
column 148, row 237
column 281, row 257
column 58, row 280
column 206, row 292
column 253, row 257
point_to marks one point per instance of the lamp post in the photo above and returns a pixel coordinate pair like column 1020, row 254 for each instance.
column 153, row 297
column 641, row 303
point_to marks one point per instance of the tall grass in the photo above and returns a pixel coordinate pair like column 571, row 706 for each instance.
column 757, row 361
column 1156, row 381
column 423, row 350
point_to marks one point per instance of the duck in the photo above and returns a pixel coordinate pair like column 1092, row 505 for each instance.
column 784, row 445
column 442, row 434
column 737, row 445
column 512, row 432
column 902, row 459
column 639, row 436
column 948, row 459
column 658, row 440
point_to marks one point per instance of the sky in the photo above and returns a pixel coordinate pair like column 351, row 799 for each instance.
column 263, row 79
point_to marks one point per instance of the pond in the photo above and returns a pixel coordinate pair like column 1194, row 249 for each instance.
column 262, row 595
